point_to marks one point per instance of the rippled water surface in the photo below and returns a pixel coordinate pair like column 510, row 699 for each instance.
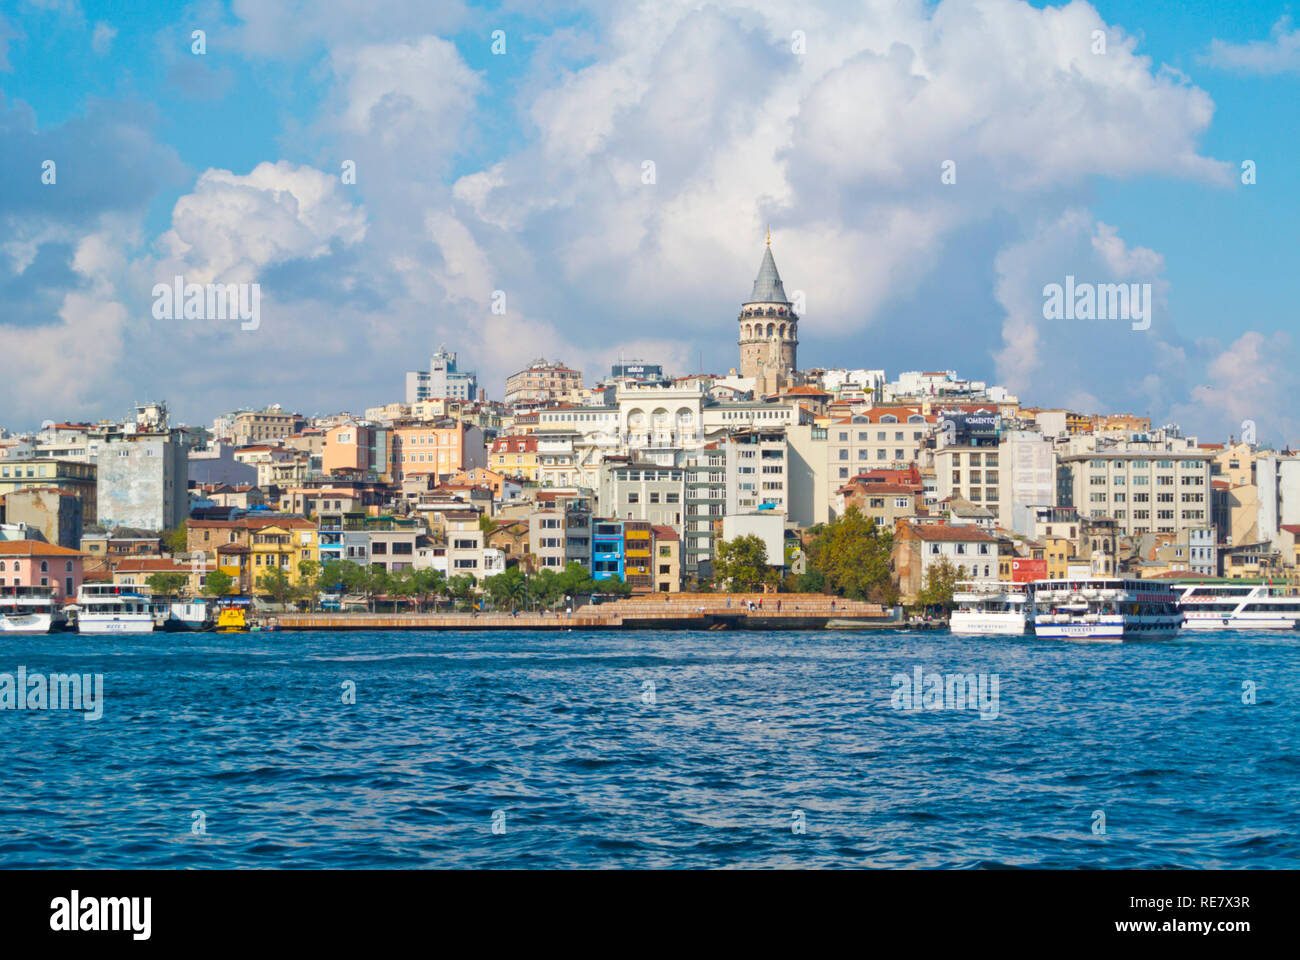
column 553, row 734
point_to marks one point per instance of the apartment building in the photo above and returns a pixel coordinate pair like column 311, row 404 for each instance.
column 356, row 447
column 879, row 437
column 514, row 457
column 435, row 449
column 443, row 380
column 633, row 490
column 143, row 481
column 1147, row 489
column 666, row 545
column 638, row 555
column 757, row 477
column 705, row 500
column 607, row 549
column 259, row 426
column 541, row 381
column 919, row 546
column 68, row 476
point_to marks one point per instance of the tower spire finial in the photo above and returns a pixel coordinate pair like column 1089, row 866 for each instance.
column 769, row 234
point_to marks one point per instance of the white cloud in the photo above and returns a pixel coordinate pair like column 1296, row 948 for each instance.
column 1279, row 54
column 101, row 41
column 396, row 90
column 232, row 227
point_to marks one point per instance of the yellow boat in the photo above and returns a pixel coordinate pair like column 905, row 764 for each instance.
column 232, row 620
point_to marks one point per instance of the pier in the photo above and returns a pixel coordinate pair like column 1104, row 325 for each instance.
column 677, row 611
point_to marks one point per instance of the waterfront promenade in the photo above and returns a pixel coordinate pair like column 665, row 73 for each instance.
column 686, row 611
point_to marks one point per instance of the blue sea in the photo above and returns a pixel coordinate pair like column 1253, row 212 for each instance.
column 655, row 750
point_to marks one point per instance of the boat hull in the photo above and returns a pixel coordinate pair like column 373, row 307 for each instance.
column 26, row 623
column 131, row 623
column 987, row 625
column 1239, row 623
column 1116, row 631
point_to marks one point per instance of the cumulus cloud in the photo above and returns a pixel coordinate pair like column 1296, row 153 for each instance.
column 232, row 227
column 394, row 90
column 1252, row 379
column 652, row 145
column 1060, row 360
column 1279, row 54
column 64, row 364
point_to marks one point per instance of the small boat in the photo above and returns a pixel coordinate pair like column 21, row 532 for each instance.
column 233, row 615
column 28, row 610
column 991, row 608
column 180, row 616
column 114, row 608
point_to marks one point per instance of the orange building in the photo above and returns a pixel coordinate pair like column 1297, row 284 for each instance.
column 442, row 449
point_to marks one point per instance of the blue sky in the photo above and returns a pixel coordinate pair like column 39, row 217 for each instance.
column 522, row 172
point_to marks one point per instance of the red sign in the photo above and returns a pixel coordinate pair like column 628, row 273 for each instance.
column 1023, row 570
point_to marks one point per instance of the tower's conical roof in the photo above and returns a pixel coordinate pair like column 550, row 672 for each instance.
column 767, row 285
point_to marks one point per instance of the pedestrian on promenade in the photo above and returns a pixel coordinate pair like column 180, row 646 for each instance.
column 778, row 606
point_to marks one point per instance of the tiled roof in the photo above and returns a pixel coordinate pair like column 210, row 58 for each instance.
column 35, row 548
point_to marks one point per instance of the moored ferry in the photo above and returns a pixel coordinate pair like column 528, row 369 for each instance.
column 1213, row 604
column 991, row 608
column 26, row 609
column 114, row 608
column 1105, row 609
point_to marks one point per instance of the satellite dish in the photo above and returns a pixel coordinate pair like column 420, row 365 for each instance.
column 46, row 424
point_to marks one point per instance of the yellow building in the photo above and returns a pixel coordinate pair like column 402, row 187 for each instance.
column 514, row 457
column 284, row 545
column 1057, row 551
column 637, row 559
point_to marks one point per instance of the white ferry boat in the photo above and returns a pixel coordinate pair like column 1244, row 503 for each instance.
column 1106, row 609
column 989, row 608
column 1228, row 605
column 28, row 610
column 114, row 608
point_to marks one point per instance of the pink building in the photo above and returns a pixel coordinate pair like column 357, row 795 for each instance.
column 33, row 563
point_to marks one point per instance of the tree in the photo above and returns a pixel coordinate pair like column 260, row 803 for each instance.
column 309, row 572
column 811, row 580
column 275, row 584
column 617, row 588
column 374, row 580
column 461, row 587
column 218, row 583
column 545, row 588
column 430, row 583
column 940, row 581
column 404, row 583
column 508, row 589
column 742, row 563
column 166, row 584
column 177, row 540
column 854, row 556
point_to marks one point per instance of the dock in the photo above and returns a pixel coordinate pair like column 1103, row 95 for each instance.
column 676, row 611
